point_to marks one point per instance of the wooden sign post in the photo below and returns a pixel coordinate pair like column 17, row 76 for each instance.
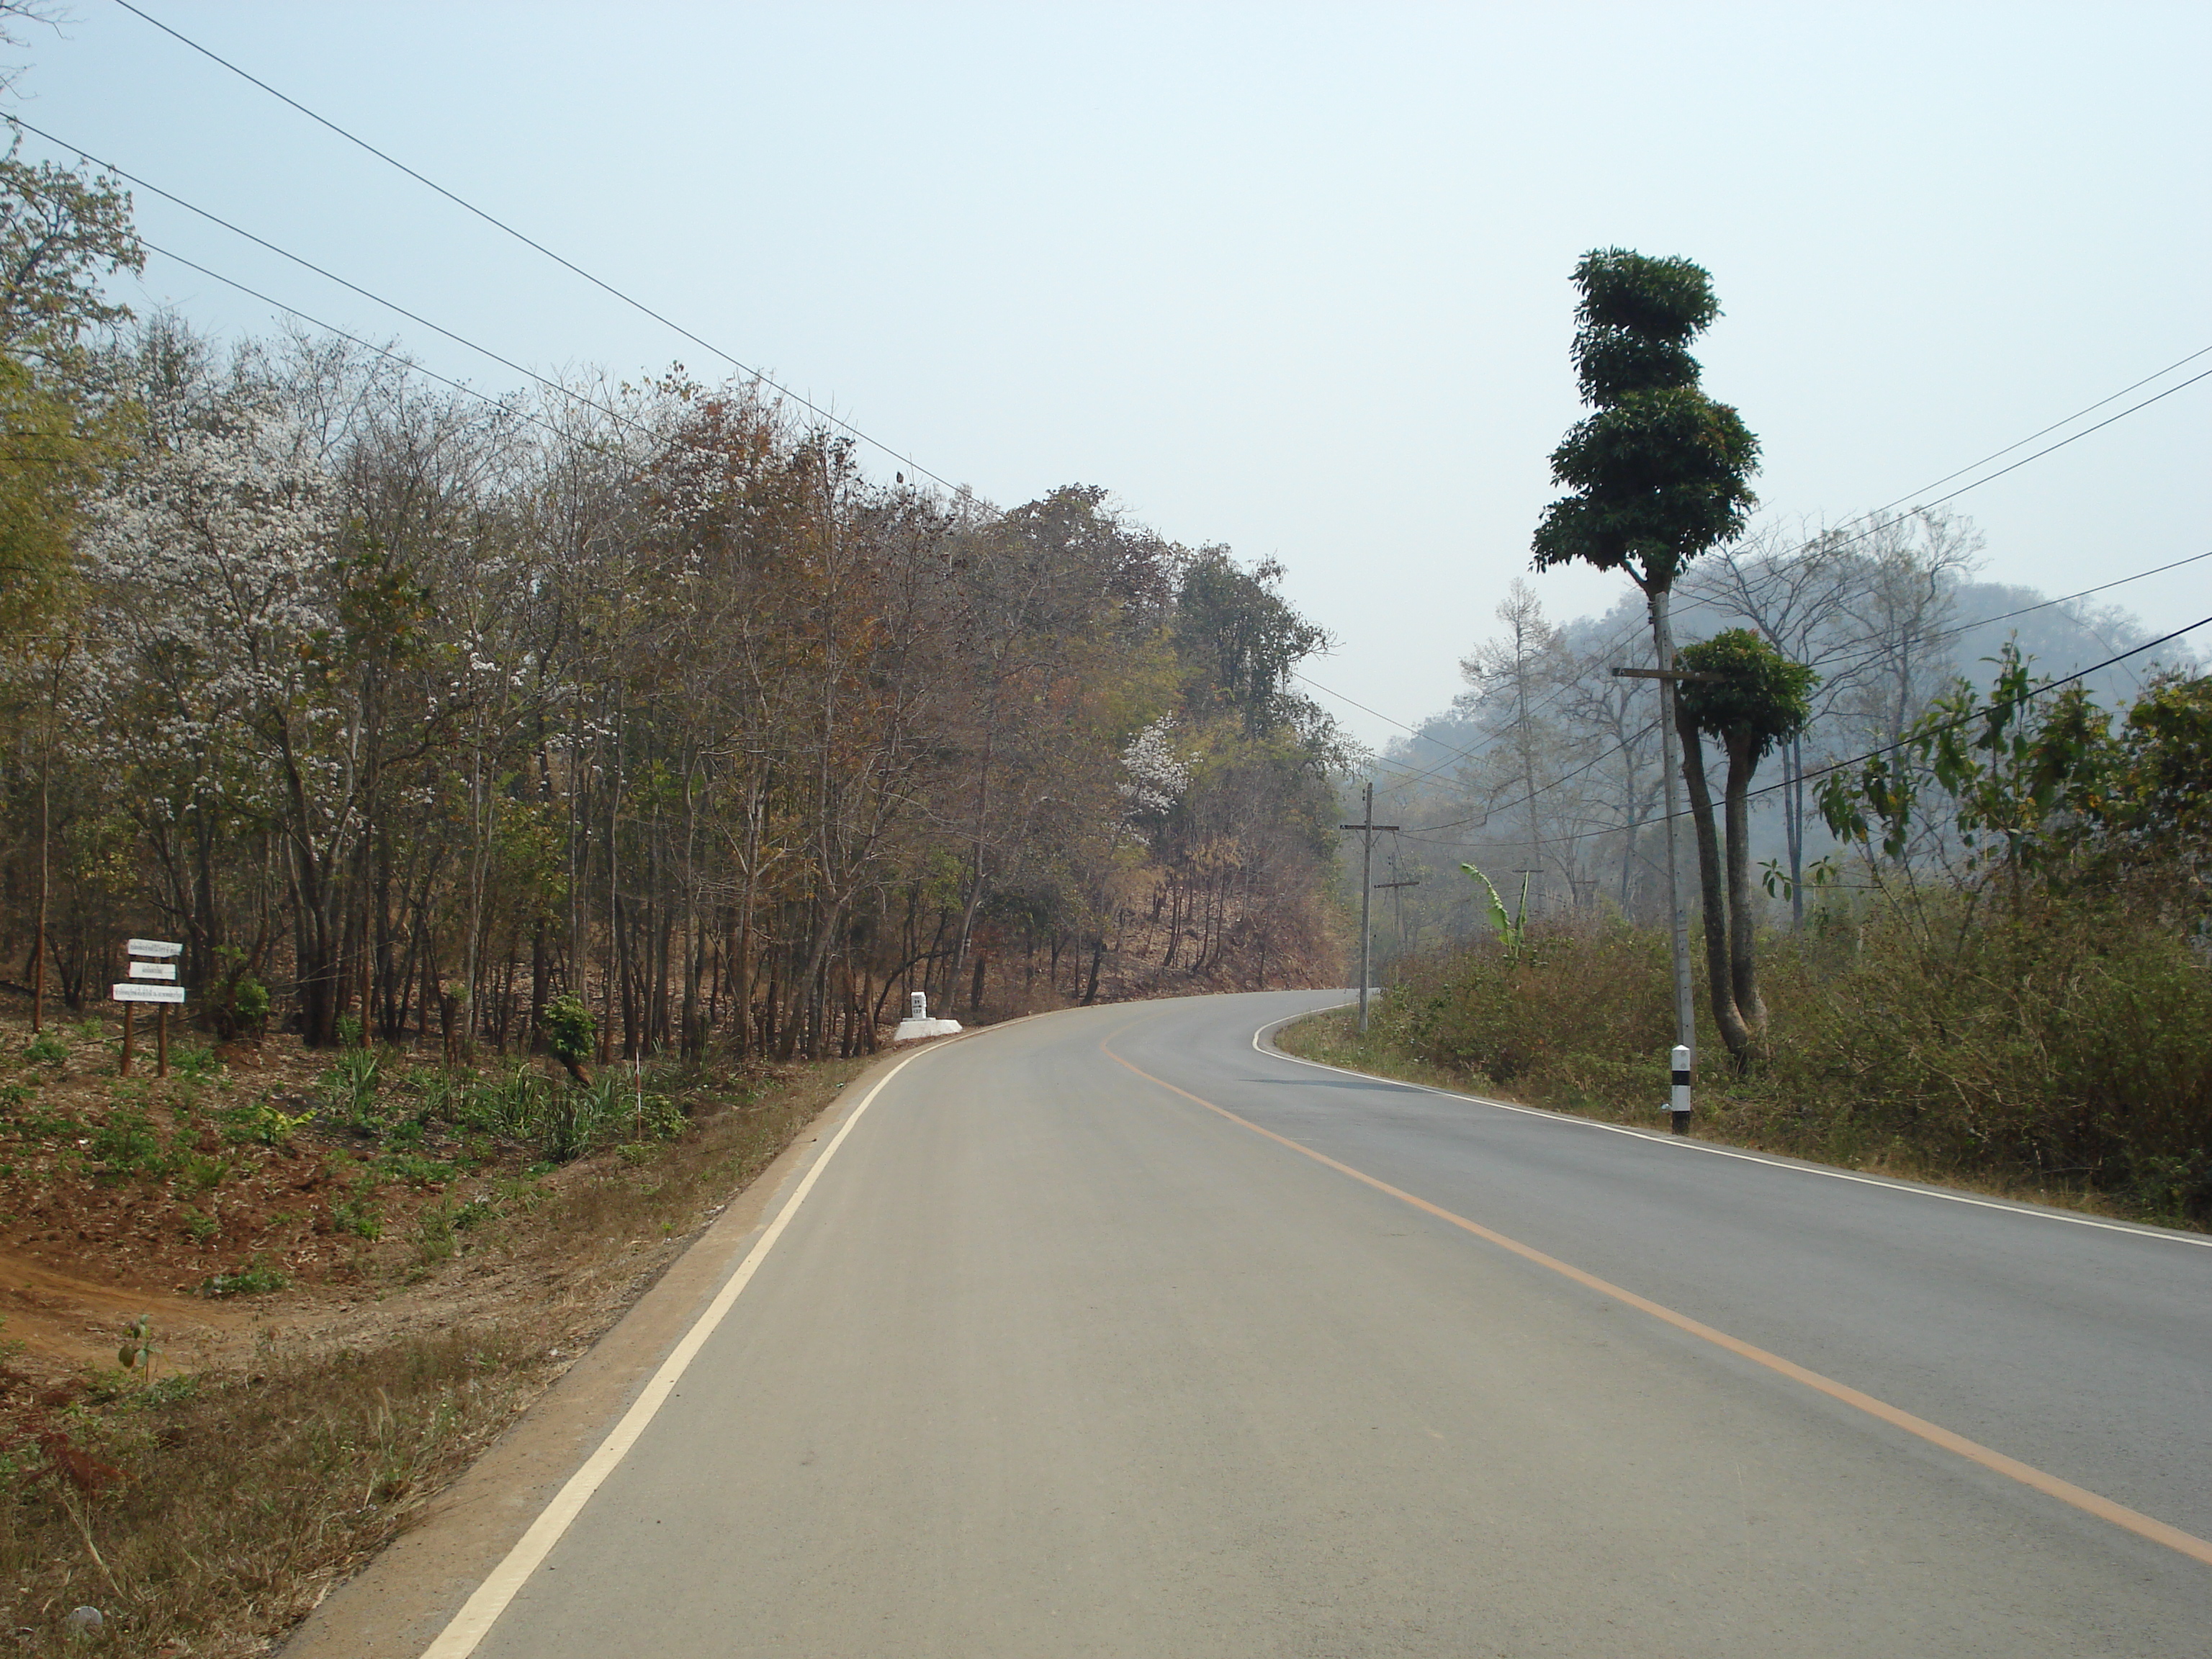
column 138, row 989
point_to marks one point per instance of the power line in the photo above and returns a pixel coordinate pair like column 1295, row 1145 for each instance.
column 308, row 264
column 567, row 265
column 1875, row 527
column 2062, row 443
column 1887, row 749
column 1409, row 777
column 1951, row 632
column 2053, row 427
column 508, row 230
column 384, row 352
column 1488, row 813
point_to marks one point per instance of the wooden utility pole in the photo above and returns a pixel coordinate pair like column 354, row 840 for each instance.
column 1367, row 827
column 1685, row 1011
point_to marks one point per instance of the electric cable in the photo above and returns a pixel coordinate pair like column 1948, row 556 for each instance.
column 1872, row 754
column 308, row 264
column 1875, row 524
column 758, row 375
column 1848, row 665
column 384, row 352
column 1998, row 455
column 566, row 263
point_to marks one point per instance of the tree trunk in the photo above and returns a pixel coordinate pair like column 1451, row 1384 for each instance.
column 1719, row 973
column 1743, row 918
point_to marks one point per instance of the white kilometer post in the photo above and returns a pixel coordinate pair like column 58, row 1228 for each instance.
column 135, row 990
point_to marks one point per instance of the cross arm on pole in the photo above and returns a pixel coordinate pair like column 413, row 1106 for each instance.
column 1377, row 828
column 1675, row 674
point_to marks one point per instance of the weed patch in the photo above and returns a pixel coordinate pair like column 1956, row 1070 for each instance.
column 256, row 1277
column 260, row 1123
column 216, row 1503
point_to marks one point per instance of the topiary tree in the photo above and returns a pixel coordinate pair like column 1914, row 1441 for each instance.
column 1759, row 699
column 1658, row 470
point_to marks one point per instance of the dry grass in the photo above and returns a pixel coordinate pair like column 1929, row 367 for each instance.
column 207, row 1513
column 1334, row 1041
column 203, row 1515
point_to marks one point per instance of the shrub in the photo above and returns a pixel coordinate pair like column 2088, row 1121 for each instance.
column 260, row 1123
column 512, row 1106
column 256, row 1277
column 2061, row 1038
column 612, row 1111
column 571, row 1030
column 195, row 1062
column 127, row 1145
column 359, row 1217
column 350, row 1088
column 249, row 1002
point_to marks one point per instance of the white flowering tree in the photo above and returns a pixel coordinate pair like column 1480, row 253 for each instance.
column 212, row 638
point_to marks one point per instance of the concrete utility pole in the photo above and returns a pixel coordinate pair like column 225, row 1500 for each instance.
column 1686, row 1012
column 1367, row 827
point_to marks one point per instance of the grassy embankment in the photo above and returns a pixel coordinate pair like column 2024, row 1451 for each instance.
column 2062, row 1052
column 418, row 1249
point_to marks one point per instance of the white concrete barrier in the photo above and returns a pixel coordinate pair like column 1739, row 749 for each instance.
column 909, row 1030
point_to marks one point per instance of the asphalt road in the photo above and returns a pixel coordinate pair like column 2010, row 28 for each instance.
column 1053, row 1359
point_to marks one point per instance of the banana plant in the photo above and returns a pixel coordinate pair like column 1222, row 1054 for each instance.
column 1512, row 931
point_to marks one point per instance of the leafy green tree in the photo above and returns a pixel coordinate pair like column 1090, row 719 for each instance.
column 63, row 231
column 2163, row 796
column 1761, row 700
column 2038, row 785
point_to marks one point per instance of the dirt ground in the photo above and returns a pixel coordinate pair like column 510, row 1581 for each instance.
column 120, row 1198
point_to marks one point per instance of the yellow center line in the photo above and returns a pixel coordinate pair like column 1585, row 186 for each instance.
column 2065, row 1491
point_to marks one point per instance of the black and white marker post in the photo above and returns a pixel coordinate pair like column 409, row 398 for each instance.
column 135, row 990
column 1679, row 1099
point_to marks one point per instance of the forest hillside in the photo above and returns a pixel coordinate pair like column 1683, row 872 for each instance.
column 410, row 714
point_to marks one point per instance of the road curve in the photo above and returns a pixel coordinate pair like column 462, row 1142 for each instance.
column 1066, row 1352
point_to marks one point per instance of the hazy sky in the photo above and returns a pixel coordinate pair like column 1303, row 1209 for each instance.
column 1292, row 278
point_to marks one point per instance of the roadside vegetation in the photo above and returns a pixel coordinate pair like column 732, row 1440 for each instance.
column 2006, row 981
column 401, row 1257
column 416, row 712
column 1960, row 929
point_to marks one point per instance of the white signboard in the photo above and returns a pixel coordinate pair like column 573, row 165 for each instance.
column 153, row 970
column 153, row 947
column 129, row 992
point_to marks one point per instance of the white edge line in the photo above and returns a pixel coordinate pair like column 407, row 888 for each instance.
column 1674, row 1143
column 470, row 1625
